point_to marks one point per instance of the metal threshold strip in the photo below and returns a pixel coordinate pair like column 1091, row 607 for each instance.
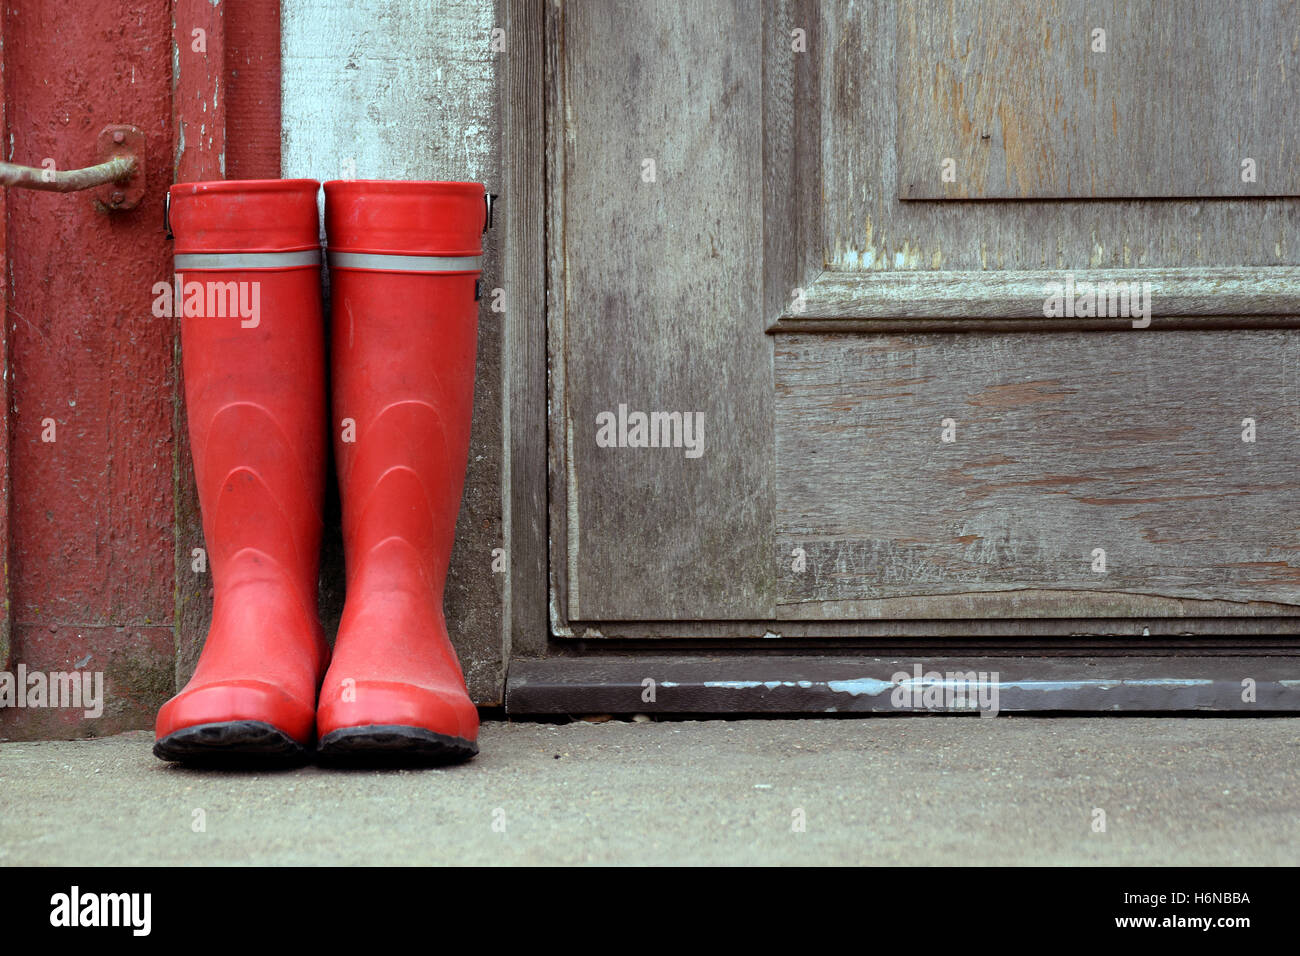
column 757, row 684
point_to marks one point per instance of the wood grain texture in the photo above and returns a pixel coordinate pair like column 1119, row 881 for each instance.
column 792, row 166
column 1118, row 441
column 1016, row 95
column 559, row 608
column 92, row 508
column 660, row 308
column 522, row 229
column 389, row 90
column 868, row 227
column 1055, row 635
column 138, row 676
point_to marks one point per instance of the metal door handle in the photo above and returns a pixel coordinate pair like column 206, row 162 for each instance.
column 119, row 176
column 67, row 180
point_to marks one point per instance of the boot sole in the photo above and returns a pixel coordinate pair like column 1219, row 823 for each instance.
column 231, row 741
column 389, row 743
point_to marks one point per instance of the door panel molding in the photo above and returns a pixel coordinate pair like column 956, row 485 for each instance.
column 1242, row 297
column 968, row 475
column 1004, row 632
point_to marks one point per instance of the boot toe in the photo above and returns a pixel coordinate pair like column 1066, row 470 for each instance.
column 235, row 716
column 390, row 717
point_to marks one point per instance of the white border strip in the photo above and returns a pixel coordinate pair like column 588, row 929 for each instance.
column 247, row 260
column 393, row 263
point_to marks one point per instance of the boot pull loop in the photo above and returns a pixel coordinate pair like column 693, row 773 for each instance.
column 489, row 199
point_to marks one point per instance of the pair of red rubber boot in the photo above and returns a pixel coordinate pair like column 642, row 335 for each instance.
column 404, row 265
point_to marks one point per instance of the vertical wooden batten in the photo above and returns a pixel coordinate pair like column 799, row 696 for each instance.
column 6, row 605
column 792, row 129
column 199, row 90
column 199, row 98
column 521, row 232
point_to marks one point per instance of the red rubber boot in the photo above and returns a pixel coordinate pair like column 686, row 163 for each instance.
column 252, row 341
column 404, row 263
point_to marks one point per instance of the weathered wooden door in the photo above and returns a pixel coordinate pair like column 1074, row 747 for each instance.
column 926, row 327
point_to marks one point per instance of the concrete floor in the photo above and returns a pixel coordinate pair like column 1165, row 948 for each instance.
column 912, row 790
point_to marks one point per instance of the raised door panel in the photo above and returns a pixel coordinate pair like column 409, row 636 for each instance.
column 1081, row 99
column 1083, row 474
column 657, row 278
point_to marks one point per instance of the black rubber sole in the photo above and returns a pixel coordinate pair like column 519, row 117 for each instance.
column 379, row 744
column 230, row 742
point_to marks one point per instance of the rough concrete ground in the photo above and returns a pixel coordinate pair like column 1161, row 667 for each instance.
column 911, row 790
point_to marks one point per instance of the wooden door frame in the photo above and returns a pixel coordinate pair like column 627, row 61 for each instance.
column 6, row 605
column 558, row 665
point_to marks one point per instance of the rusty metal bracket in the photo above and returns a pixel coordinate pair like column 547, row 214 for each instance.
column 121, row 142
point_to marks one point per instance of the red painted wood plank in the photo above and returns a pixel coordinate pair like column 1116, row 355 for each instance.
column 199, row 90
column 91, row 367
column 5, row 603
column 199, row 117
column 252, row 41
column 134, row 668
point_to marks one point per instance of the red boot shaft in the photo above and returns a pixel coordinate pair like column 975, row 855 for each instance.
column 255, row 397
column 403, row 270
